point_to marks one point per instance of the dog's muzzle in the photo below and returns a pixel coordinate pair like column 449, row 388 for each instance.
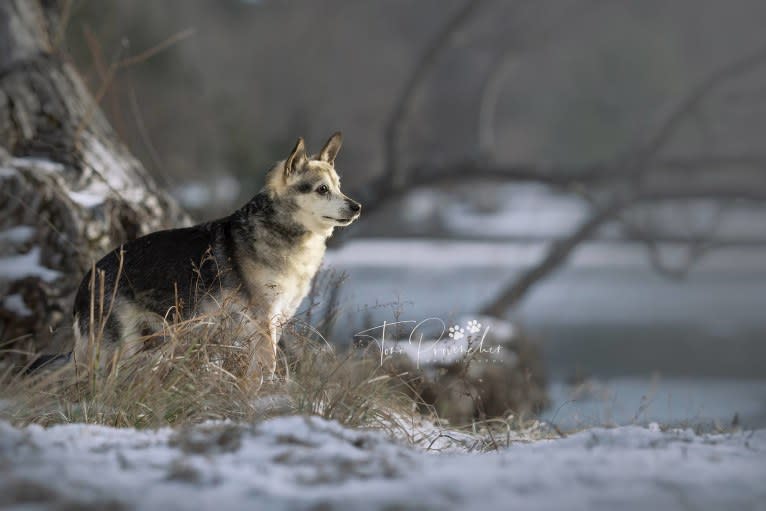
column 354, row 206
column 353, row 210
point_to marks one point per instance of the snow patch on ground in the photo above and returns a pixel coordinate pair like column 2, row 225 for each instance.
column 36, row 164
column 26, row 265
column 17, row 235
column 310, row 463
column 197, row 195
column 15, row 303
column 524, row 210
column 91, row 197
column 452, row 256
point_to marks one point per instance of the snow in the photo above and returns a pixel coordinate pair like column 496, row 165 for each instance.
column 26, row 265
column 103, row 161
column 99, row 159
column 535, row 211
column 15, row 303
column 91, row 197
column 420, row 204
column 112, row 176
column 426, row 254
column 17, row 235
column 37, row 165
column 310, row 463
column 198, row 195
column 193, row 195
column 524, row 210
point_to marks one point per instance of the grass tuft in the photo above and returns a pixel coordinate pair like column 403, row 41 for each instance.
column 192, row 371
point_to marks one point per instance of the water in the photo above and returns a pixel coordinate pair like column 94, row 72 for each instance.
column 606, row 316
column 709, row 403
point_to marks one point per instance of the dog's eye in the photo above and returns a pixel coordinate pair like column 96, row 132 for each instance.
column 323, row 190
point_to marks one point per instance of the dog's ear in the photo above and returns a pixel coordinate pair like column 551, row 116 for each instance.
column 331, row 148
column 297, row 158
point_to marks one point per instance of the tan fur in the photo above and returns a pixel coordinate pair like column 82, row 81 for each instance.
column 133, row 320
column 280, row 293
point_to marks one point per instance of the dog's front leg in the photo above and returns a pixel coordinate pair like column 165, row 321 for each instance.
column 263, row 351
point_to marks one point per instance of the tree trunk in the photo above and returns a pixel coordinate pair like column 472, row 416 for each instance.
column 69, row 190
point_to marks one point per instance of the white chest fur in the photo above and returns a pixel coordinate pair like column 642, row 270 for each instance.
column 278, row 292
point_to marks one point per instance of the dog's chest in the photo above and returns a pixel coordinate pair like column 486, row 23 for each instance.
column 278, row 289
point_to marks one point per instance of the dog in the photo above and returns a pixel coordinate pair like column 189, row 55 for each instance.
column 258, row 263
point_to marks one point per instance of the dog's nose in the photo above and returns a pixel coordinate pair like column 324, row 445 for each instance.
column 354, row 206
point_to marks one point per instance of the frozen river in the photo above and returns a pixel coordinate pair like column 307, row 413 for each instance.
column 696, row 347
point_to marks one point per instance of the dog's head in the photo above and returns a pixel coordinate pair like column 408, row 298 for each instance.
column 312, row 185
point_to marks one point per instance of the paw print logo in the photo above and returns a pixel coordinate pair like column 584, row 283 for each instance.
column 456, row 332
column 473, row 326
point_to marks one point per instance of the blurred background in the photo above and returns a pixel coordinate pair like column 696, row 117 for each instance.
column 593, row 173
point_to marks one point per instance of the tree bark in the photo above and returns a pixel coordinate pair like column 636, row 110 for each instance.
column 70, row 191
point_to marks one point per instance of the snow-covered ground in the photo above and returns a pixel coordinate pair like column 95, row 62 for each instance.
column 310, row 463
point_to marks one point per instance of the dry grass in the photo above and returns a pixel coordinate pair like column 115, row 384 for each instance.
column 193, row 372
column 196, row 376
column 193, row 378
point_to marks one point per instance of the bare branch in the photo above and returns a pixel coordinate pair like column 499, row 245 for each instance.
column 404, row 103
column 157, row 48
column 698, row 245
column 642, row 161
column 107, row 76
column 506, row 63
column 749, row 166
column 556, row 256
column 560, row 250
column 489, row 100
column 689, row 104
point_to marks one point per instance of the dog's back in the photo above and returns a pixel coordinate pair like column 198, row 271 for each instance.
column 163, row 273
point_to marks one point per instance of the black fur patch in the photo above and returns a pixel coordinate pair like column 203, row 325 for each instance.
column 158, row 271
column 304, row 187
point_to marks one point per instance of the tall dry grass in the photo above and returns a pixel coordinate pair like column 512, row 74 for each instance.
column 196, row 369
column 197, row 374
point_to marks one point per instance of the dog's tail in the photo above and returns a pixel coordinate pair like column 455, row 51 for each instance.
column 48, row 362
